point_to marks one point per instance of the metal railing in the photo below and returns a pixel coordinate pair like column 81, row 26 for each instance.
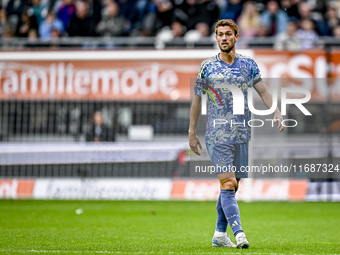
column 142, row 43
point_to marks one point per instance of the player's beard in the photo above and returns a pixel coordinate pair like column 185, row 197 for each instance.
column 228, row 49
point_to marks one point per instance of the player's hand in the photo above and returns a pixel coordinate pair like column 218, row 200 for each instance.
column 278, row 118
column 194, row 142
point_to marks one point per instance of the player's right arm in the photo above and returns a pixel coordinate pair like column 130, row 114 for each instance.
column 194, row 115
column 195, row 111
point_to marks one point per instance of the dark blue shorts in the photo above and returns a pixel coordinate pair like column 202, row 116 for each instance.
column 229, row 158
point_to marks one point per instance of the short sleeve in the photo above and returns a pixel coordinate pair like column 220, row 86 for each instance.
column 256, row 74
column 201, row 79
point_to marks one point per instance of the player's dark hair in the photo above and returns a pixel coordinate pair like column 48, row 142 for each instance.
column 227, row 22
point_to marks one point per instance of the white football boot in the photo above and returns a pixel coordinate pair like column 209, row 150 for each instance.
column 221, row 239
column 242, row 242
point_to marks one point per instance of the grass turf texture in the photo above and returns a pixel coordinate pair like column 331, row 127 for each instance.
column 143, row 227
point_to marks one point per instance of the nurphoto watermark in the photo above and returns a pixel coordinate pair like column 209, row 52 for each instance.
column 239, row 104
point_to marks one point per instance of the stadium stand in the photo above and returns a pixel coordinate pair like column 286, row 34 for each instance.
column 57, row 23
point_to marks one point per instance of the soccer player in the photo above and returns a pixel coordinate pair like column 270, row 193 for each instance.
column 227, row 143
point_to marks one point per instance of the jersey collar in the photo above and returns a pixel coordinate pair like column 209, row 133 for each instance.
column 224, row 63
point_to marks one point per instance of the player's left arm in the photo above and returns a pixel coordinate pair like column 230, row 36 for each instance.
column 267, row 99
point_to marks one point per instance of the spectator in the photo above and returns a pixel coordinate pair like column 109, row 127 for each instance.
column 7, row 31
column 3, row 20
column 336, row 4
column 184, row 13
column 55, row 33
column 288, row 40
column 262, row 31
column 307, row 34
column 274, row 19
column 55, row 5
column 197, row 17
column 32, row 40
column 112, row 23
column 14, row 9
column 39, row 10
column 222, row 5
column 98, row 131
column 177, row 29
column 249, row 21
column 292, row 8
column 33, row 35
column 125, row 7
column 306, row 13
column 65, row 11
column 161, row 15
column 181, row 13
column 233, row 10
column 7, row 35
column 203, row 11
column 332, row 20
column 139, row 10
column 167, row 34
column 320, row 6
column 25, row 24
column 50, row 23
column 208, row 13
column 336, row 32
column 81, row 24
column 164, row 12
column 94, row 8
column 201, row 30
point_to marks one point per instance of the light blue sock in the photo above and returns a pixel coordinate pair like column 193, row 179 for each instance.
column 221, row 223
column 231, row 210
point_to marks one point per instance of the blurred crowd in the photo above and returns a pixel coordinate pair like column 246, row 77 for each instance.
column 295, row 23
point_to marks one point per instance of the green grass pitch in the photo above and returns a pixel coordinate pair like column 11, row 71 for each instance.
column 174, row 227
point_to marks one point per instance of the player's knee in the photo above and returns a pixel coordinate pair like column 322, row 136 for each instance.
column 228, row 183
